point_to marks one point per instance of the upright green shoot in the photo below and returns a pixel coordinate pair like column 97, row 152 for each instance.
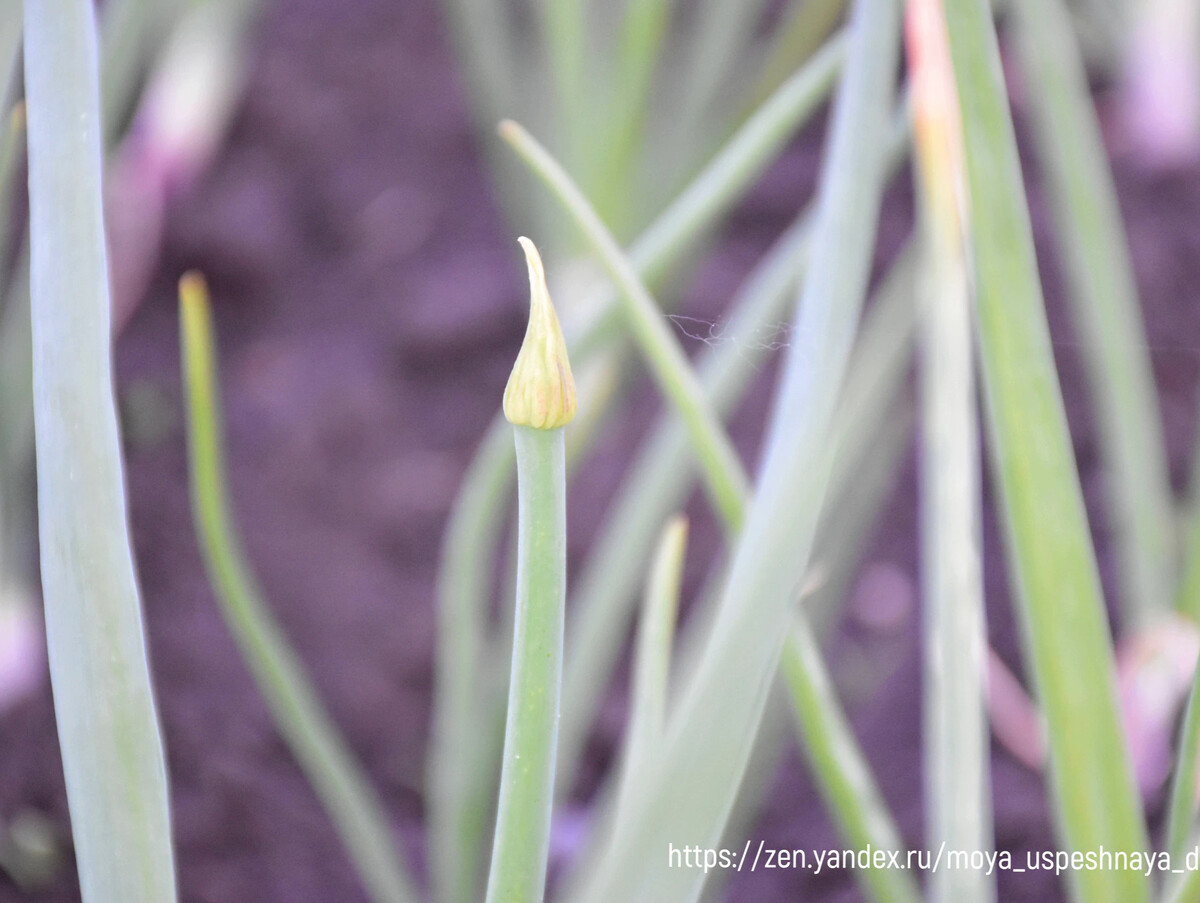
column 538, row 401
column 1050, row 549
column 1105, row 303
column 841, row 771
column 672, row 370
column 108, row 728
column 297, row 711
column 956, row 729
column 684, row 796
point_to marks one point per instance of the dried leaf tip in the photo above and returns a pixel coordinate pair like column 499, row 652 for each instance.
column 195, row 317
column 541, row 389
column 193, row 289
column 193, row 297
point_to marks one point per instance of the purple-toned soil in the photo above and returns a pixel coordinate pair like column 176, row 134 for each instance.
column 369, row 302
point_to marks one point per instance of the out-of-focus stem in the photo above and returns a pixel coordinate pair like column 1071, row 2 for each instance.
column 652, row 655
column 290, row 697
column 107, row 723
column 956, row 733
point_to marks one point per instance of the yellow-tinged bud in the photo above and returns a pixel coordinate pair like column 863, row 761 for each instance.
column 541, row 390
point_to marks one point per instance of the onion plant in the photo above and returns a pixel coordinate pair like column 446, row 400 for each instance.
column 538, row 401
column 638, row 103
column 462, row 770
column 167, row 151
column 863, row 818
column 1105, row 303
column 1057, row 584
column 956, row 733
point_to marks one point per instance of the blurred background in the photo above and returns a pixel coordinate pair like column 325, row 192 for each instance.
column 330, row 178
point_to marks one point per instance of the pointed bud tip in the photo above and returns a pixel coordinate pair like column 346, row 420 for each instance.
column 541, row 389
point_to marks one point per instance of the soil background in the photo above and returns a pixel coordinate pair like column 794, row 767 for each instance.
column 369, row 302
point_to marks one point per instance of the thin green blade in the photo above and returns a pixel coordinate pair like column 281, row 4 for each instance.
column 1049, row 546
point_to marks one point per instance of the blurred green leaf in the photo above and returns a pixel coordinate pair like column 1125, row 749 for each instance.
column 1106, row 306
column 843, row 777
column 461, row 787
column 107, row 724
column 652, row 655
column 1050, row 548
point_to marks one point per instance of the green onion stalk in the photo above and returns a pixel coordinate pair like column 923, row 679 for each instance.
column 538, row 401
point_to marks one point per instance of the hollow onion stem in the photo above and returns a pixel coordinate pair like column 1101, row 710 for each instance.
column 685, row 795
column 522, row 839
column 538, row 401
column 1105, row 304
column 104, row 705
column 956, row 750
column 460, row 798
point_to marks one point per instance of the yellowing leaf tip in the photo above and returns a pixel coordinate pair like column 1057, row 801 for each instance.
column 193, row 288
